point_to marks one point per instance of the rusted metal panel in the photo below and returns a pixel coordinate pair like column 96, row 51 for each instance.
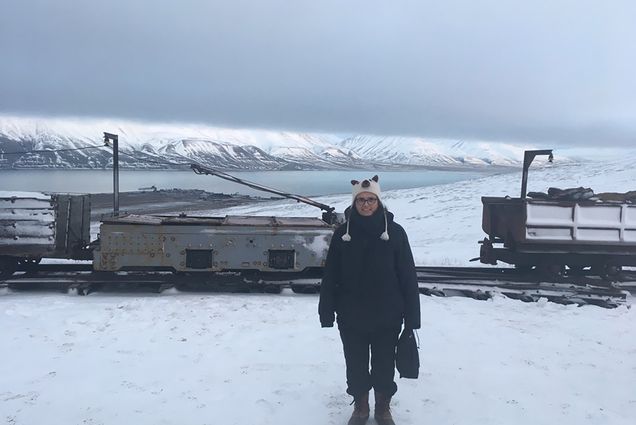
column 36, row 225
column 27, row 223
column 301, row 221
column 230, row 220
column 248, row 221
column 134, row 219
column 72, row 224
column 246, row 243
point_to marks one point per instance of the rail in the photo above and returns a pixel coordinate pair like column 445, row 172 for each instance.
column 475, row 282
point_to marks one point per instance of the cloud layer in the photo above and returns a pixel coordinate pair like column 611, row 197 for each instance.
column 539, row 71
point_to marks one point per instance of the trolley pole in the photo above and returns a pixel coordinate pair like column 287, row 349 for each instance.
column 528, row 157
column 115, row 139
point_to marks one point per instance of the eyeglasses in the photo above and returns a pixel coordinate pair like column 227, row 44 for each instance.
column 366, row 201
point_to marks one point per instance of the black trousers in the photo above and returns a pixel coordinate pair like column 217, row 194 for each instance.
column 356, row 345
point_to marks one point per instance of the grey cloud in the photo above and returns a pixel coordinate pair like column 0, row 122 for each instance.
column 540, row 71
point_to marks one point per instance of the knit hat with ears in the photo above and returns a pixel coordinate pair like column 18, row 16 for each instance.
column 371, row 186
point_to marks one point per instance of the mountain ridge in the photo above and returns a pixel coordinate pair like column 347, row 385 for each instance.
column 152, row 146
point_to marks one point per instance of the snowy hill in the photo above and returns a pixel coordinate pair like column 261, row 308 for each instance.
column 168, row 145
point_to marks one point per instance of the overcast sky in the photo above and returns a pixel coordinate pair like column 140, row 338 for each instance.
column 535, row 70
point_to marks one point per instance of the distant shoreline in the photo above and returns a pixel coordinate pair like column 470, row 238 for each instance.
column 168, row 201
column 306, row 183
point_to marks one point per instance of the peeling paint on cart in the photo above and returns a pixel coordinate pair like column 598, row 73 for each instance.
column 212, row 244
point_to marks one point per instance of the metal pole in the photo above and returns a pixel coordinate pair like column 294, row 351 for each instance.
column 527, row 160
column 528, row 157
column 116, row 177
column 115, row 139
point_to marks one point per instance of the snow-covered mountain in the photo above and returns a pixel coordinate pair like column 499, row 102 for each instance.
column 434, row 152
column 78, row 144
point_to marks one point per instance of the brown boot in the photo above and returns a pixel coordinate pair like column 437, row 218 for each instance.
column 360, row 413
column 382, row 412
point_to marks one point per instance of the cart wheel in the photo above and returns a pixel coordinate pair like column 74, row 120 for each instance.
column 576, row 270
column 486, row 255
column 30, row 261
column 299, row 288
column 608, row 271
column 524, row 268
column 8, row 266
column 272, row 288
column 552, row 270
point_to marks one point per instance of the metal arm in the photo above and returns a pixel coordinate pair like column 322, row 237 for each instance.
column 528, row 157
column 328, row 216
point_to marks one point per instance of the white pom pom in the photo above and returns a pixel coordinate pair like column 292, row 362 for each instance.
column 346, row 237
column 384, row 236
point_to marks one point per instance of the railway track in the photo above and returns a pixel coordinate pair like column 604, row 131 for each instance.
column 486, row 283
column 476, row 282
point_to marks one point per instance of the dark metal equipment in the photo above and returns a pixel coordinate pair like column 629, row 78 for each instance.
column 528, row 157
column 36, row 225
column 329, row 216
column 555, row 235
column 115, row 139
column 292, row 245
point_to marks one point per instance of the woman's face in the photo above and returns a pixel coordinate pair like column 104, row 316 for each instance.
column 366, row 203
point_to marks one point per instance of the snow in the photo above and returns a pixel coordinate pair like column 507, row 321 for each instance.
column 26, row 218
column 433, row 151
column 5, row 194
column 318, row 245
column 184, row 358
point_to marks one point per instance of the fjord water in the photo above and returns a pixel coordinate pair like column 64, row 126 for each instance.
column 309, row 183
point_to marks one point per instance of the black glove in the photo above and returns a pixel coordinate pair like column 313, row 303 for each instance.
column 326, row 320
column 409, row 325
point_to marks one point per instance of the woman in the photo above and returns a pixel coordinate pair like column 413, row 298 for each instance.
column 371, row 284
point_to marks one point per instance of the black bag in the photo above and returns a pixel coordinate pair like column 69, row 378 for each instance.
column 407, row 359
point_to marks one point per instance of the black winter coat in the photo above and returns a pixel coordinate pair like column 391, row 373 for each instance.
column 370, row 283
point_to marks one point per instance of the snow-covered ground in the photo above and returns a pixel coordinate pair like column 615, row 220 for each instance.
column 180, row 358
column 263, row 359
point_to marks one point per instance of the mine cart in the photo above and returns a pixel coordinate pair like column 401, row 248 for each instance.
column 35, row 225
column 212, row 244
column 553, row 234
